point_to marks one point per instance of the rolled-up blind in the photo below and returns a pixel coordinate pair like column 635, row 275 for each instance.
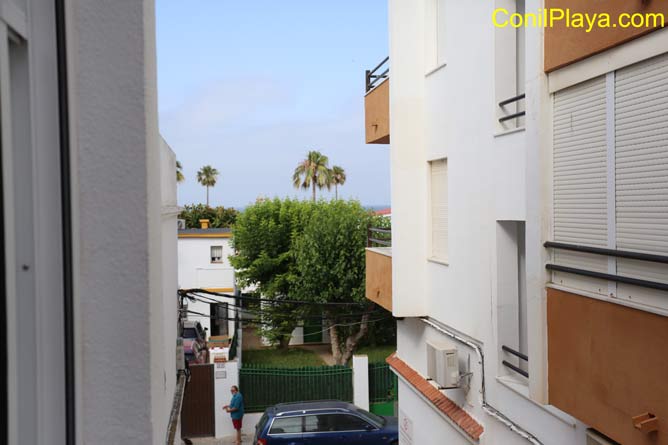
column 641, row 165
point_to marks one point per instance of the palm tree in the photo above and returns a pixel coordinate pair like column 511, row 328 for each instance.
column 338, row 178
column 315, row 172
column 179, row 172
column 207, row 176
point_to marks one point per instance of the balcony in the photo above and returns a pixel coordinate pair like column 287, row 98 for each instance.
column 607, row 362
column 377, row 104
column 379, row 267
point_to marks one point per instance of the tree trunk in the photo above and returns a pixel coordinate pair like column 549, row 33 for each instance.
column 207, row 196
column 341, row 357
column 284, row 342
column 336, row 191
column 313, row 190
column 334, row 341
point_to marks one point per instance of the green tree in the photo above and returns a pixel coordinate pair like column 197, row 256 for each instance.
column 330, row 268
column 338, row 175
column 264, row 237
column 313, row 172
column 219, row 217
column 179, row 173
column 207, row 176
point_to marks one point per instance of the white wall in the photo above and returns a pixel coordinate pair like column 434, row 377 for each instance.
column 195, row 267
column 117, row 222
column 428, row 427
column 408, row 158
column 225, row 376
column 169, row 318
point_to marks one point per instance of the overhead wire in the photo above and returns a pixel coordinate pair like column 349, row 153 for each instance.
column 245, row 297
column 261, row 312
column 305, row 335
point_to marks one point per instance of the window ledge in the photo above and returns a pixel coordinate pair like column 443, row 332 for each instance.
column 507, row 132
column 522, row 389
column 438, row 261
column 435, row 70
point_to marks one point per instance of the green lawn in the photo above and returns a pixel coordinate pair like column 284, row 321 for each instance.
column 377, row 354
column 292, row 358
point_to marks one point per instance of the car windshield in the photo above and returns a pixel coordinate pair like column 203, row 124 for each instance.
column 372, row 418
column 189, row 333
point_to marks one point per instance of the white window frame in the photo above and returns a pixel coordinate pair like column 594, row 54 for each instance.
column 29, row 120
column 435, row 36
column 213, row 261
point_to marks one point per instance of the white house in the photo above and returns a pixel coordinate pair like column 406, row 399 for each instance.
column 88, row 231
column 203, row 257
column 204, row 264
column 529, row 205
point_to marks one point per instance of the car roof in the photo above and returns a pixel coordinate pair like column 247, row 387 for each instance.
column 283, row 409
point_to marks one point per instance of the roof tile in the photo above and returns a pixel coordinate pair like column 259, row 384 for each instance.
column 440, row 401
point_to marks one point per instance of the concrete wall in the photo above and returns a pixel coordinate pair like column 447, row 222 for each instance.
column 117, row 223
column 168, row 320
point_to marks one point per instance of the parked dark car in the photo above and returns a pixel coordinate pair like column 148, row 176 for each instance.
column 324, row 423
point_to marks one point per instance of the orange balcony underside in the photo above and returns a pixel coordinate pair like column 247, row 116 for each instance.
column 377, row 114
column 379, row 277
column 565, row 45
column 607, row 364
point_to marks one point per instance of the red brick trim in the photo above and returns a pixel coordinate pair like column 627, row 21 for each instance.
column 442, row 403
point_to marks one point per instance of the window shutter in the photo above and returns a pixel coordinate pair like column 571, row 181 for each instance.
column 439, row 208
column 641, row 178
column 580, row 179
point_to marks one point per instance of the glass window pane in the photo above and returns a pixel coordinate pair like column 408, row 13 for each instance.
column 286, row 425
column 216, row 254
column 333, row 422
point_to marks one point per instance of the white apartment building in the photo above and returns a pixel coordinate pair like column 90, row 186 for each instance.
column 88, row 234
column 529, row 215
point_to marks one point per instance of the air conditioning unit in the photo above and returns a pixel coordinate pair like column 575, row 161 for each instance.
column 181, row 224
column 596, row 438
column 443, row 365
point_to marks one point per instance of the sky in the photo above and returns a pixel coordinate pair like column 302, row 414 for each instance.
column 251, row 87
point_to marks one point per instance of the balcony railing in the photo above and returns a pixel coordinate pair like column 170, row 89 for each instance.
column 662, row 259
column 519, row 355
column 379, row 237
column 508, row 114
column 376, row 76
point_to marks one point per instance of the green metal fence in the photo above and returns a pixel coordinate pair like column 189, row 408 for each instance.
column 383, row 388
column 263, row 387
